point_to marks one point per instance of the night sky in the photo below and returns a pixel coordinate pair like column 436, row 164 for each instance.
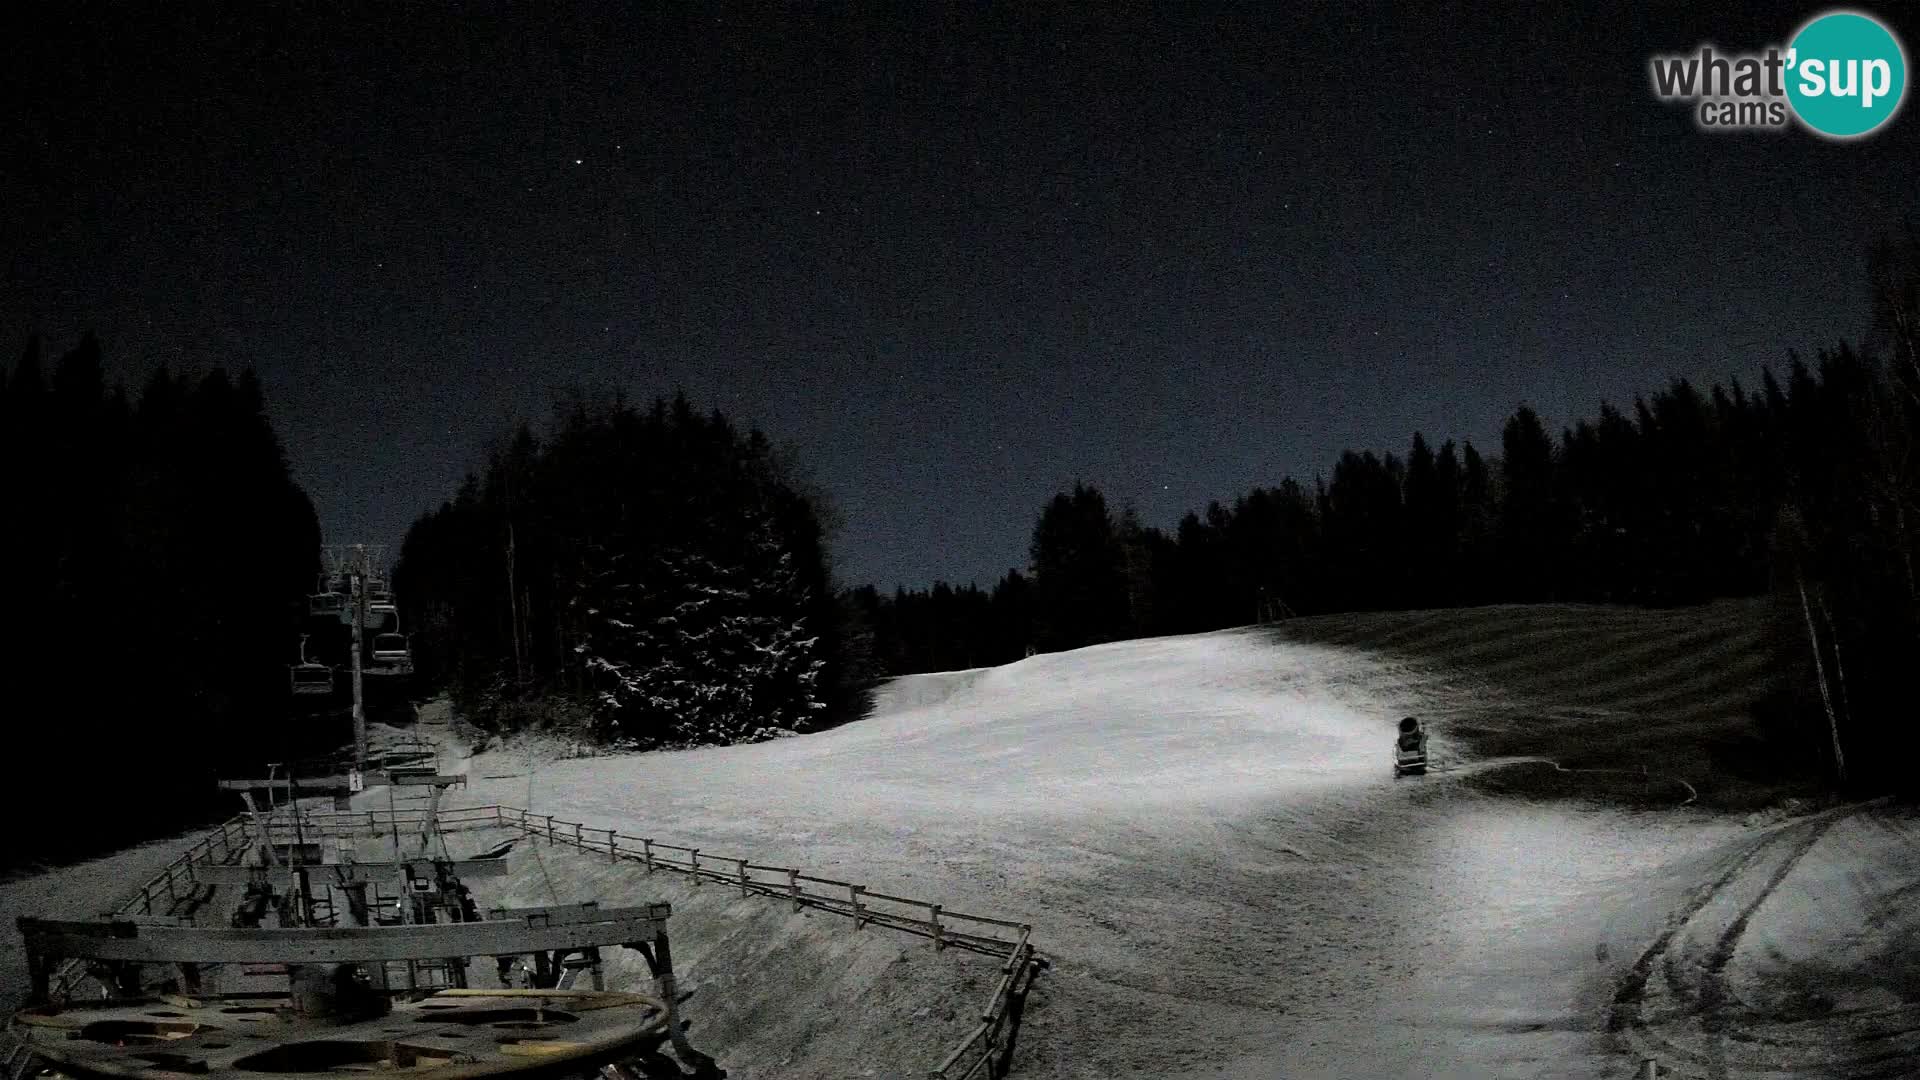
column 955, row 261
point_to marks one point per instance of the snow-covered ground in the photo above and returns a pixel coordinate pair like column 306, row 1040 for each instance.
column 1206, row 835
column 1799, row 959
column 95, row 887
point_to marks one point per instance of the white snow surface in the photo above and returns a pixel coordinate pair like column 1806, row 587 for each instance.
column 1206, row 835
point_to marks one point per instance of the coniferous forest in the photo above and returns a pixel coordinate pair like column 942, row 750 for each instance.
column 656, row 576
column 158, row 557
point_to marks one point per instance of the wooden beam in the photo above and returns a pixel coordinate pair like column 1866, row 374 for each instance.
column 584, row 911
column 344, row 874
column 443, row 780
column 119, row 940
column 315, row 783
column 371, row 778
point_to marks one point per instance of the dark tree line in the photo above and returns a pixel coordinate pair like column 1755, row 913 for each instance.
column 656, row 573
column 1807, row 488
column 939, row 629
column 157, row 554
column 1675, row 505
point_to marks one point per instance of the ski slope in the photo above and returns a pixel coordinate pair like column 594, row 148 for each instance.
column 1205, row 833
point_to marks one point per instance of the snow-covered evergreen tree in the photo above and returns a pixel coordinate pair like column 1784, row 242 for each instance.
column 657, row 568
column 698, row 622
column 689, row 648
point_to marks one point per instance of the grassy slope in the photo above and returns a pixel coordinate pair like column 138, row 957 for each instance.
column 1589, row 686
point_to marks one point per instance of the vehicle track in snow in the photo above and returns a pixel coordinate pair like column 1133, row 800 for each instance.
column 1678, row 1003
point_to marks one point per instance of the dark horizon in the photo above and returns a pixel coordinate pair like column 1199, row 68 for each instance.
column 1173, row 253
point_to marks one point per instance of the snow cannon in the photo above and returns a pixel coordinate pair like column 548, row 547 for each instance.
column 1410, row 748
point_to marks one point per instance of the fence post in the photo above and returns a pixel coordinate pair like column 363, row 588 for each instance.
column 743, row 876
column 613, row 846
column 934, row 910
column 549, row 830
column 373, row 826
column 146, row 899
column 646, row 846
column 499, row 816
column 578, row 840
column 694, row 859
column 793, row 887
column 854, row 892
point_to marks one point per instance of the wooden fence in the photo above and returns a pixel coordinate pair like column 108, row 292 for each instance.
column 172, row 886
column 986, row 1045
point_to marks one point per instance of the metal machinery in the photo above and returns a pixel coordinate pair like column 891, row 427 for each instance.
column 1410, row 748
column 321, row 963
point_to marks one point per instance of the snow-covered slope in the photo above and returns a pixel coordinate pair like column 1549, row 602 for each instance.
column 1205, row 833
column 1206, row 836
column 1798, row 959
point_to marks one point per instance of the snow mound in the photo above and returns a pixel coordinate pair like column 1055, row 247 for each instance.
column 920, row 691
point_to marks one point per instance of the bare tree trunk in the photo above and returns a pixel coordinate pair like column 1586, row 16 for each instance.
column 1820, row 671
column 526, row 630
column 1839, row 673
column 1893, row 483
column 1906, row 551
column 513, row 610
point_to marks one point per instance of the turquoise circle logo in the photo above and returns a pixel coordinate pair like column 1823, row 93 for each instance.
column 1846, row 74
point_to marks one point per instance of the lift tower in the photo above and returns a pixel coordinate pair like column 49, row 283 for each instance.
column 351, row 565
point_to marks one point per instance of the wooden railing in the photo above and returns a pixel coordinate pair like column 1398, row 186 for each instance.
column 986, row 1044
column 991, row 1041
column 170, row 887
column 945, row 928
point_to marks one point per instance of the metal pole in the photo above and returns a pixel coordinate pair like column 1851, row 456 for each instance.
column 296, row 878
column 359, row 579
